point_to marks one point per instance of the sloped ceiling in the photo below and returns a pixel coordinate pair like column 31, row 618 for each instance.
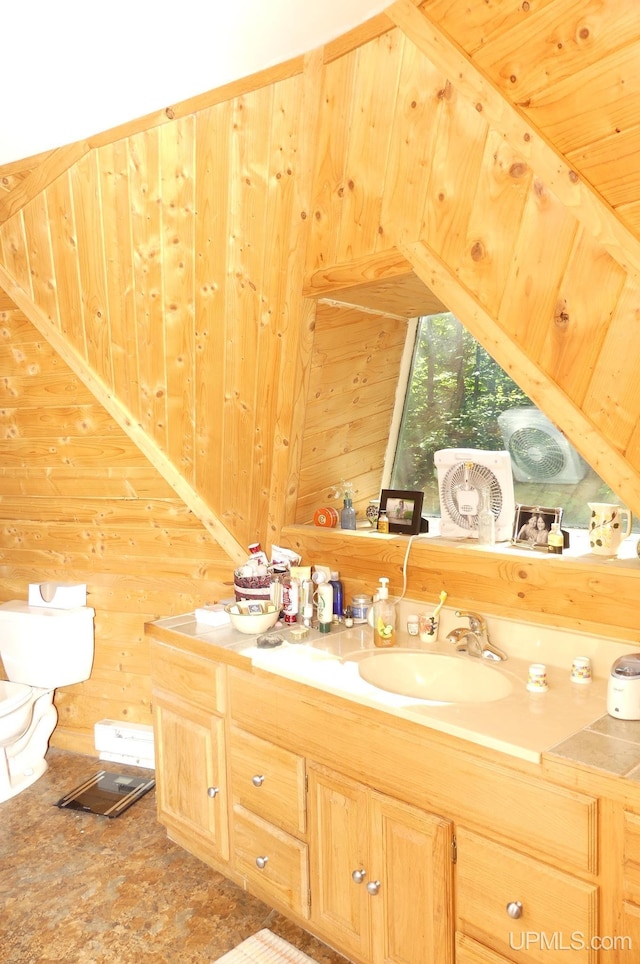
column 560, row 84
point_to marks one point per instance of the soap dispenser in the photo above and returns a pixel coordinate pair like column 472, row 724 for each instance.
column 384, row 617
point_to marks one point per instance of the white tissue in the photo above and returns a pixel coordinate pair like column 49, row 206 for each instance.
column 212, row 615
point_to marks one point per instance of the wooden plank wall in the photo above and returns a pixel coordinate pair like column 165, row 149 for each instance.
column 172, row 266
column 163, row 261
column 350, row 405
column 79, row 503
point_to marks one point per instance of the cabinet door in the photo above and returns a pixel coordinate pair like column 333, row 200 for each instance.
column 190, row 774
column 411, row 858
column 338, row 826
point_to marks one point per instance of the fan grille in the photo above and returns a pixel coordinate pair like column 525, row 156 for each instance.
column 536, row 453
column 459, row 492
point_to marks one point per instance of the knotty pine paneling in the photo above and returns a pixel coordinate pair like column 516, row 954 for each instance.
column 166, row 265
column 78, row 502
column 173, row 257
column 350, row 404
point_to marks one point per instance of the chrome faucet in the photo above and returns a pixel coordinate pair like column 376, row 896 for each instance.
column 474, row 640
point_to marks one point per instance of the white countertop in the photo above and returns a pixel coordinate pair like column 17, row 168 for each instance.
column 522, row 724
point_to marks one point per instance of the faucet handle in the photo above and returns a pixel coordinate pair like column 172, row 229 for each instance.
column 476, row 622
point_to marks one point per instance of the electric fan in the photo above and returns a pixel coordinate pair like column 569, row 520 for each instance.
column 539, row 452
column 462, row 474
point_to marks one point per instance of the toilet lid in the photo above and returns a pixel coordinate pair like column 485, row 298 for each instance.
column 13, row 695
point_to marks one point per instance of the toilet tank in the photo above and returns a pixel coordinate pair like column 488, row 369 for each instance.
column 44, row 647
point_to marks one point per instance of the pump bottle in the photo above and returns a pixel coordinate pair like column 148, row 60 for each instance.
column 384, row 617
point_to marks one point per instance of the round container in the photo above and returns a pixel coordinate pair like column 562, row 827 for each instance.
column 537, row 678
column 252, row 623
column 327, row 517
column 360, row 606
column 581, row 669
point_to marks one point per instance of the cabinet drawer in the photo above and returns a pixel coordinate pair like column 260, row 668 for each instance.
column 276, row 863
column 559, row 912
column 198, row 681
column 268, row 780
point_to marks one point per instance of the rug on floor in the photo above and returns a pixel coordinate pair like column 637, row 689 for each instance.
column 265, row 947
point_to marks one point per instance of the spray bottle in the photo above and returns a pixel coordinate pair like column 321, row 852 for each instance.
column 384, row 617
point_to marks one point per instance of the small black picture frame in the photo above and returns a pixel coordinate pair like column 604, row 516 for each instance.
column 404, row 510
column 532, row 525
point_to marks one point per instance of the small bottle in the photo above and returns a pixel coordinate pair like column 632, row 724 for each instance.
column 291, row 600
column 384, row 617
column 325, row 607
column 486, row 520
column 348, row 617
column 337, row 596
column 383, row 521
column 555, row 542
column 348, row 514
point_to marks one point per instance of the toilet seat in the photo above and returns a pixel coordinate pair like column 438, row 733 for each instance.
column 13, row 696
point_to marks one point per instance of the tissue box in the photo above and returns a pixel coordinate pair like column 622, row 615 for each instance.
column 58, row 595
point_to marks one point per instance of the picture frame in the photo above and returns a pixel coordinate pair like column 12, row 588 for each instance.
column 532, row 525
column 404, row 509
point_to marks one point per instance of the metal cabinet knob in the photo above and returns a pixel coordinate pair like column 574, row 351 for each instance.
column 257, row 780
column 261, row 862
column 358, row 876
column 514, row 908
column 373, row 887
column 213, row 791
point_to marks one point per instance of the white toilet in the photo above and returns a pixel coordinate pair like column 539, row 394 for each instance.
column 41, row 649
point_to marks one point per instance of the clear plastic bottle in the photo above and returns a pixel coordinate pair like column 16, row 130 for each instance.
column 384, row 617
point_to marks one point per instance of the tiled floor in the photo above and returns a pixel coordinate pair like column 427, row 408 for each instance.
column 77, row 888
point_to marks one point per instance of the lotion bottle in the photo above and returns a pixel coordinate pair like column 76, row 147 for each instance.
column 384, row 617
column 325, row 607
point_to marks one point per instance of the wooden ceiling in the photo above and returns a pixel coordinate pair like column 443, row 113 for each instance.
column 573, row 71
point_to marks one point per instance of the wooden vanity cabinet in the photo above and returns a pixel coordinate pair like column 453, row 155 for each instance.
column 394, row 845
column 189, row 695
column 381, row 873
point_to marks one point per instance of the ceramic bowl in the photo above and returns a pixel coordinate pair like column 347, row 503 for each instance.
column 253, row 623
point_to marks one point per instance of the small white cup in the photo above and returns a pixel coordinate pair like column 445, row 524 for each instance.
column 537, row 679
column 581, row 669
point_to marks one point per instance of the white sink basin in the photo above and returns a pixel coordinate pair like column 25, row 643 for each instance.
column 434, row 676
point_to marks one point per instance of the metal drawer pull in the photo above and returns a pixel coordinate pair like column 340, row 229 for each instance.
column 514, row 908
column 213, row 791
column 358, row 876
column 373, row 887
column 261, row 862
column 257, row 780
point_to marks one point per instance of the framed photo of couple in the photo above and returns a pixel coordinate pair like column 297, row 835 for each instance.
column 532, row 526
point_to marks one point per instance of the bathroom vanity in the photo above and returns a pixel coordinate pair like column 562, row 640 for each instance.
column 391, row 830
